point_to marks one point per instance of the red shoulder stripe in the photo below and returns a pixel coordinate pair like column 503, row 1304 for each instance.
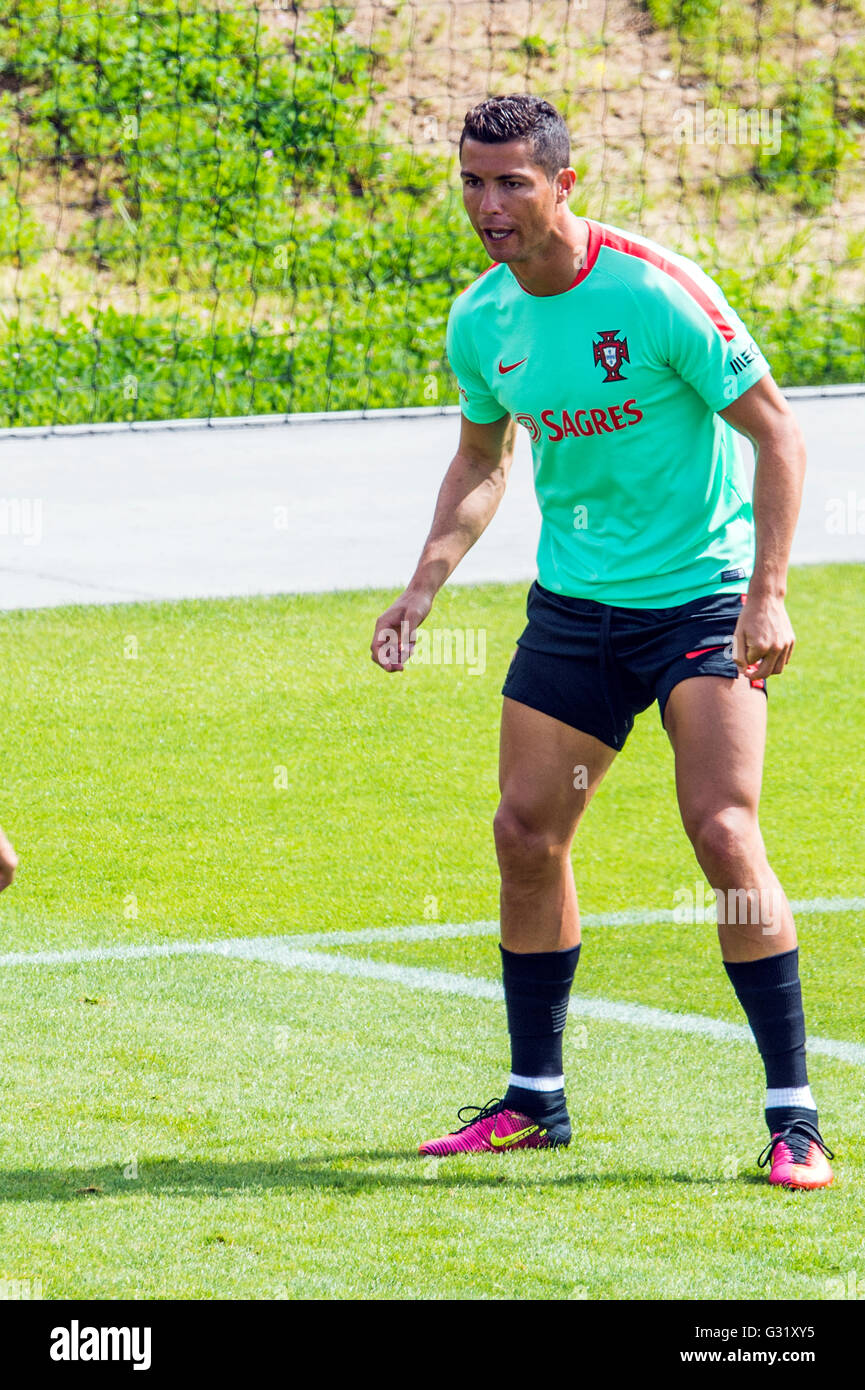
column 645, row 253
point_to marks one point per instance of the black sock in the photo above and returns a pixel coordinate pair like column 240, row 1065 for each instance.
column 537, row 987
column 771, row 995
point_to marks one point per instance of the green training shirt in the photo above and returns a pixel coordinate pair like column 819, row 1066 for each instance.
column 642, row 490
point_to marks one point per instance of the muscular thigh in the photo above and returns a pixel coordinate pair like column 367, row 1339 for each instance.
column 548, row 771
column 718, row 731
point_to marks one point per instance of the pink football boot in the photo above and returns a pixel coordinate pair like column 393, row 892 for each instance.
column 799, row 1157
column 495, row 1129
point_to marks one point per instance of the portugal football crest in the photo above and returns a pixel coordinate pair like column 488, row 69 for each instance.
column 531, row 425
column 610, row 353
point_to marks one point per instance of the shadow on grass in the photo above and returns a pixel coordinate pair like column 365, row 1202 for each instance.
column 363, row 1171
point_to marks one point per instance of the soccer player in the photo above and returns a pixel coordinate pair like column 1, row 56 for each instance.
column 658, row 579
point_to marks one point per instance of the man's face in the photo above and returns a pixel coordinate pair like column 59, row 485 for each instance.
column 503, row 191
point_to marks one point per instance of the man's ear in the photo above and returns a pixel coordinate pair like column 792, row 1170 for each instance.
column 565, row 181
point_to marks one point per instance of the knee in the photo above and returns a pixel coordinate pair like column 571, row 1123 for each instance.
column 524, row 846
column 722, row 837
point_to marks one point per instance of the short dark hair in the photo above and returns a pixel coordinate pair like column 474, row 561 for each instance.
column 522, row 117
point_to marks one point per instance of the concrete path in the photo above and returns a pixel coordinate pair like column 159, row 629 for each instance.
column 156, row 512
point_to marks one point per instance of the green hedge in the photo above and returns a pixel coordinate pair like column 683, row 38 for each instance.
column 284, row 253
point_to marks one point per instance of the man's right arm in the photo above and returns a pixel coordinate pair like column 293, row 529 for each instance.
column 468, row 498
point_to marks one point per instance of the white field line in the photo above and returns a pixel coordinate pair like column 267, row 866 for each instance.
column 363, row 936
column 290, row 952
column 581, row 1006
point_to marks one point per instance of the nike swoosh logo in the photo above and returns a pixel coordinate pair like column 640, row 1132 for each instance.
column 510, row 368
column 508, row 1140
column 691, row 655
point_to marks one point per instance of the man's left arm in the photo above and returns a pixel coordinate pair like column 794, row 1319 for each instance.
column 764, row 636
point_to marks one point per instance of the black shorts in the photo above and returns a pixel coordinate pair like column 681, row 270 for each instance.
column 596, row 667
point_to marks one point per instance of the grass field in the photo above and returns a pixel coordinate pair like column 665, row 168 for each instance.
column 241, row 1122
